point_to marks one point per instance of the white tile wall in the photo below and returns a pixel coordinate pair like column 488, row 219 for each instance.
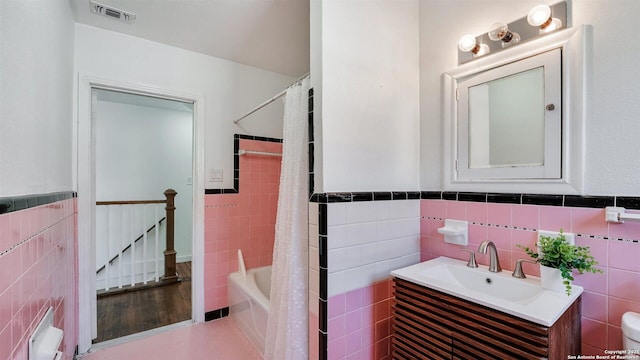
column 367, row 240
column 314, row 275
column 314, row 258
column 314, row 303
column 314, row 289
column 313, row 213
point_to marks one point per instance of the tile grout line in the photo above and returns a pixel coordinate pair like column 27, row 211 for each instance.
column 601, row 237
column 31, row 237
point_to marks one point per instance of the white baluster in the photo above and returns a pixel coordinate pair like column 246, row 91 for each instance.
column 132, row 239
column 144, row 244
column 157, row 232
column 108, row 239
column 120, row 247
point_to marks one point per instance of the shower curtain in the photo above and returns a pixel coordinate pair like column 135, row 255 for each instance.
column 287, row 326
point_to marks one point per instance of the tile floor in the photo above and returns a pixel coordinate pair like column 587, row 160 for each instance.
column 218, row 339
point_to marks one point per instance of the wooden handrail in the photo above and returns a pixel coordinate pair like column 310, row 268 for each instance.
column 131, row 202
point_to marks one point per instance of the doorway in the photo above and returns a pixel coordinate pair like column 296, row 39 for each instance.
column 85, row 173
column 143, row 148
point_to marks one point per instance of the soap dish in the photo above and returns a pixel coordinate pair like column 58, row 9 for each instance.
column 455, row 232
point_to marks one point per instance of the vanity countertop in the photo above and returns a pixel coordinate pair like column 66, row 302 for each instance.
column 524, row 298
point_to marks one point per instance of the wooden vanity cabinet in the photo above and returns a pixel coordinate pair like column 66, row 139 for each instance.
column 428, row 324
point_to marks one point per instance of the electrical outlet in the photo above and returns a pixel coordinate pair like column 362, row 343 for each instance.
column 215, row 175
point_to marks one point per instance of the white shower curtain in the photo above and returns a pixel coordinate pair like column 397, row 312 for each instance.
column 287, row 327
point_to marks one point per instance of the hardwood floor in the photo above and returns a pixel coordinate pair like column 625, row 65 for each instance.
column 132, row 312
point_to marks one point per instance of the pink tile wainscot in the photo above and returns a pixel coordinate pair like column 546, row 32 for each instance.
column 38, row 259
column 245, row 220
column 607, row 296
column 359, row 323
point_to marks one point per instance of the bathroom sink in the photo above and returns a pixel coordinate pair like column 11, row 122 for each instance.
column 482, row 281
column 524, row 298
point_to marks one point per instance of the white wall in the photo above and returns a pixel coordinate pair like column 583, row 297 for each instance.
column 612, row 164
column 315, row 65
column 140, row 152
column 365, row 58
column 230, row 89
column 36, row 77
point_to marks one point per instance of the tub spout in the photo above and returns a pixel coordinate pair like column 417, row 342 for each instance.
column 241, row 268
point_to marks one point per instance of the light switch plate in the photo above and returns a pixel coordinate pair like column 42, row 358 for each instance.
column 215, row 175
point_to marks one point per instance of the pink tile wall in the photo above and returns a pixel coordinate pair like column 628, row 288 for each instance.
column 615, row 246
column 38, row 259
column 359, row 323
column 314, row 339
column 241, row 221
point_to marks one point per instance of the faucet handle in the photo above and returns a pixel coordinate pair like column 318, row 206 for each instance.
column 472, row 258
column 518, row 272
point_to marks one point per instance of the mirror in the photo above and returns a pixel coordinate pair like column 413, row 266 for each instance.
column 514, row 121
column 506, row 121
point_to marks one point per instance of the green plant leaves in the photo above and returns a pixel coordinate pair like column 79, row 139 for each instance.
column 557, row 253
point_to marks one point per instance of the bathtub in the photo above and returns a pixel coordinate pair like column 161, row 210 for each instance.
column 249, row 302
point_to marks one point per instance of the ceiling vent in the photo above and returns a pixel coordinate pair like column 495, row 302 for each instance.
column 112, row 12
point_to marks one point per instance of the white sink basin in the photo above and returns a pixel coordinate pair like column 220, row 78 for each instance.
column 524, row 298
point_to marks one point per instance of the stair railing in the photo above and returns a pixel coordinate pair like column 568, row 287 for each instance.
column 169, row 252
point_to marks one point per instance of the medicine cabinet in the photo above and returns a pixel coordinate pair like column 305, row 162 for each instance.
column 514, row 120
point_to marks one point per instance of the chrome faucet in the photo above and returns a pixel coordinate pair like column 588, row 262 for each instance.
column 494, row 262
column 472, row 258
column 518, row 272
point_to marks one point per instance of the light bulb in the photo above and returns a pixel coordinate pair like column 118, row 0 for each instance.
column 500, row 31
column 540, row 16
column 553, row 25
column 483, row 49
column 468, row 43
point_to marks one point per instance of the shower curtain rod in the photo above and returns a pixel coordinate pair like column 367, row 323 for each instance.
column 276, row 97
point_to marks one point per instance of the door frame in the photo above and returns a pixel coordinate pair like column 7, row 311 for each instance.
column 85, row 176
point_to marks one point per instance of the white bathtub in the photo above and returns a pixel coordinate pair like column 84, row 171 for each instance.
column 249, row 302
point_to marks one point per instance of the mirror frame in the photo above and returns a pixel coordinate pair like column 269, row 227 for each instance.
column 575, row 44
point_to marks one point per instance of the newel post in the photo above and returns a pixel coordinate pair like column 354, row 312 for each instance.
column 170, row 252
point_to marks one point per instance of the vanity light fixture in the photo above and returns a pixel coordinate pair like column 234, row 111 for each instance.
column 540, row 16
column 500, row 31
column 468, row 43
column 538, row 22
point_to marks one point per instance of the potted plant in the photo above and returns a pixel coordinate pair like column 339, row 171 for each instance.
column 556, row 253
